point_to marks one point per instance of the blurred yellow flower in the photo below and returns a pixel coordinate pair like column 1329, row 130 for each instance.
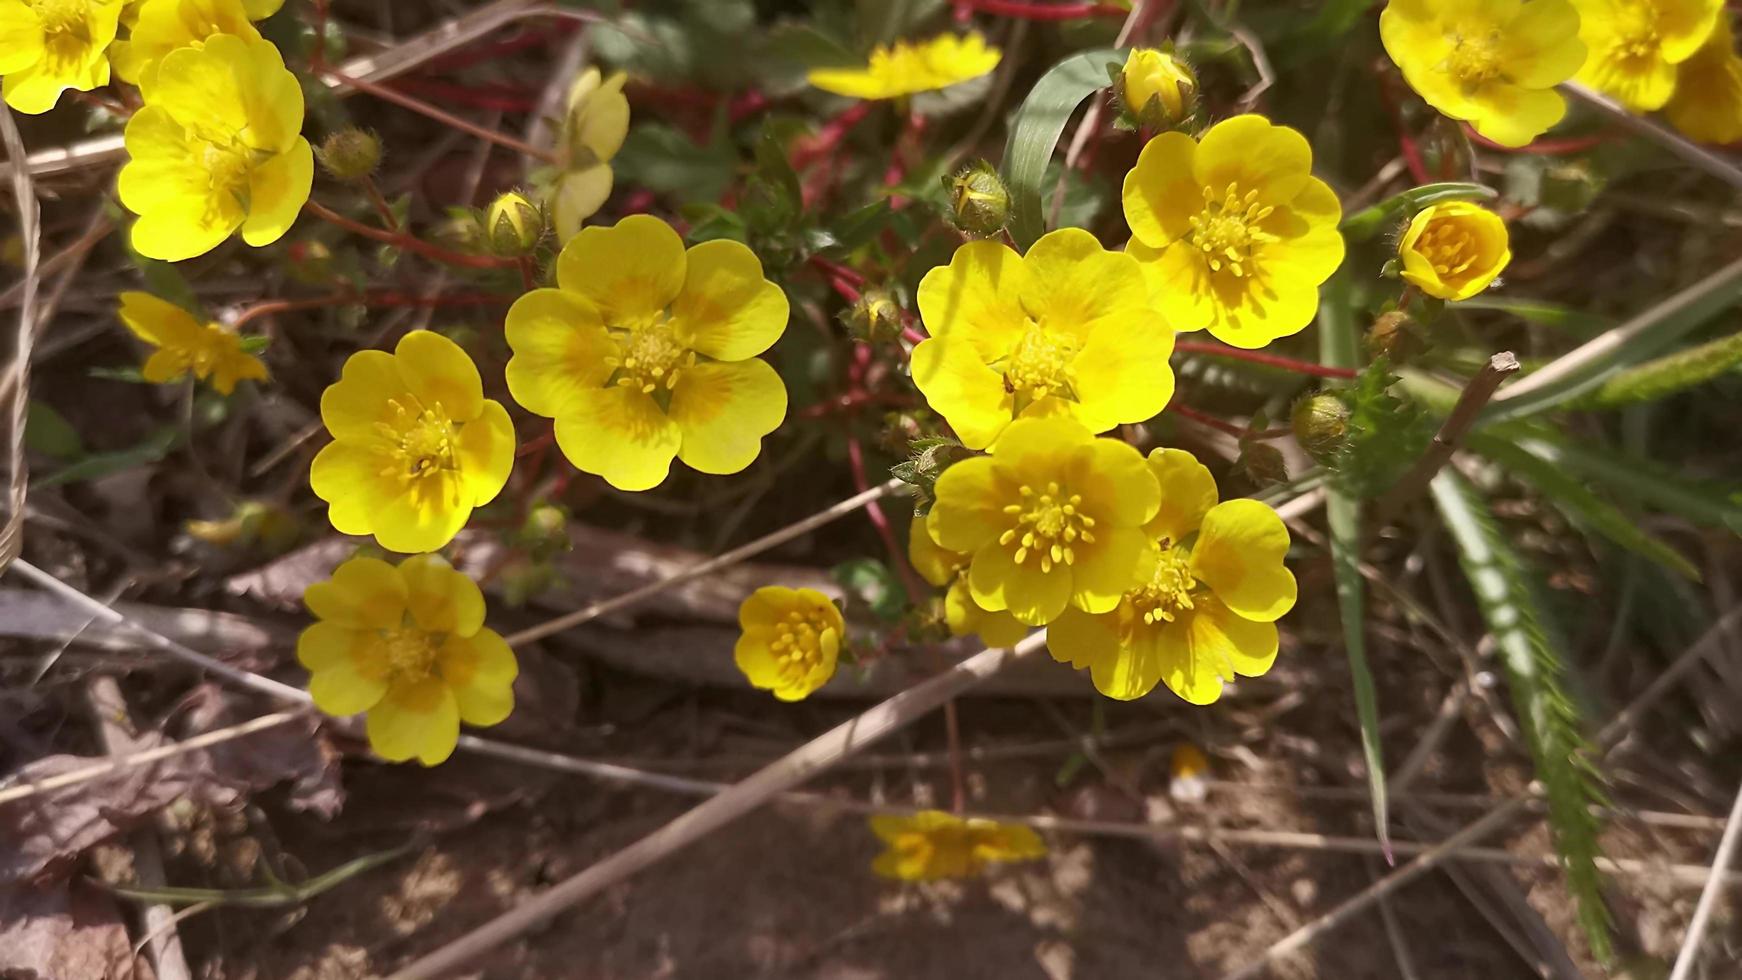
column 1233, row 231
column 1635, row 45
column 1068, row 330
column 217, row 147
column 594, row 129
column 1454, row 250
column 1052, row 519
column 409, row 646
column 1494, row 64
column 949, row 570
column 416, row 445
column 185, row 345
column 647, row 352
column 791, row 639
column 1707, row 105
column 1158, row 88
column 1209, row 606
column 932, row 845
column 49, row 46
column 908, row 68
column 164, row 25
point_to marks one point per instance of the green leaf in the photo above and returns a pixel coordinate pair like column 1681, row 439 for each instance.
column 1630, row 476
column 1667, row 375
column 1385, row 433
column 858, row 227
column 663, row 159
column 1035, row 132
column 1542, row 313
column 1362, row 225
column 92, row 467
column 47, row 431
column 872, row 582
column 1530, row 652
column 1592, row 364
column 1581, row 505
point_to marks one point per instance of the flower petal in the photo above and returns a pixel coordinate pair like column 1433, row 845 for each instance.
column 1197, row 679
column 355, row 407
column 631, row 271
column 342, row 680
column 1114, row 565
column 560, row 350
column 480, row 670
column 1034, row 597
column 439, row 598
column 1160, row 195
column 20, row 37
column 425, row 515
column 1082, row 639
column 968, row 512
column 419, row 720
column 620, row 434
column 277, row 190
column 1138, row 665
column 486, row 452
column 935, row 564
column 364, row 594
column 958, row 385
column 579, row 195
column 1188, row 491
column 438, row 372
column 979, row 295
column 1239, row 554
column 1122, row 375
column 1231, row 643
column 727, row 309
column 1256, row 155
column 348, row 477
column 723, row 410
column 1073, row 281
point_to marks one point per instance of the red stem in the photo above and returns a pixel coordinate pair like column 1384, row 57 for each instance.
column 1557, row 148
column 1223, row 425
column 502, row 98
column 378, row 298
column 445, row 118
column 854, row 400
column 1039, row 11
column 1270, row 360
column 410, row 243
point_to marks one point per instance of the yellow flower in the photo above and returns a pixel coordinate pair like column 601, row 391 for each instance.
column 1636, row 45
column 185, row 345
column 932, row 845
column 647, row 352
column 409, row 646
column 416, row 445
column 164, row 25
column 1068, row 330
column 1208, row 609
column 791, row 640
column 1158, row 89
column 1233, row 231
column 594, row 130
column 1707, row 105
column 906, row 68
column 1452, row 251
column 1053, row 518
column 1494, row 63
column 49, row 46
column 217, row 147
column 949, row 570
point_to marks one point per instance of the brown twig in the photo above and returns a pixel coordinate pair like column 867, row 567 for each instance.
column 410, row 243
column 1446, row 441
column 30, row 232
column 389, row 297
column 448, row 119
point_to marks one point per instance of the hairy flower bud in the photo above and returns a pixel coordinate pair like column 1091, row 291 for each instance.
column 1394, row 335
column 875, row 318
column 979, row 201
column 514, row 224
column 1158, row 89
column 1320, row 423
column 350, row 154
column 1261, row 464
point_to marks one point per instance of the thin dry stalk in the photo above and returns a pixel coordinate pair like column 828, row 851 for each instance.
column 1446, row 441
column 1690, row 951
column 1711, row 162
column 18, row 478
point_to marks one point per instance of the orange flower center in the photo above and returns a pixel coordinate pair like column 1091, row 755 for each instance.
column 1168, row 593
column 1049, row 523
column 798, row 644
column 1039, row 365
column 1475, row 61
column 1449, row 248
column 1228, row 230
column 410, row 655
column 651, row 356
column 424, row 441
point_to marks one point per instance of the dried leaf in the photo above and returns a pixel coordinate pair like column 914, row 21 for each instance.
column 64, row 932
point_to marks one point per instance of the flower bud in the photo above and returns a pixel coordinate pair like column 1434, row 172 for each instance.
column 1158, row 89
column 979, row 201
column 350, row 154
column 514, row 224
column 545, row 531
column 875, row 318
column 1261, row 464
column 1394, row 335
column 1320, row 423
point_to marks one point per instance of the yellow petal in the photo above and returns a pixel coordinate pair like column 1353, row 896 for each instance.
column 1250, row 152
column 1194, row 677
column 560, row 350
column 1117, row 486
column 978, row 293
column 1122, row 375
column 1541, row 46
column 1188, row 491
column 1239, row 554
column 363, row 594
column 1073, row 281
column 620, row 434
column 480, row 670
column 348, row 476
column 20, row 37
column 727, row 310
column 355, row 407
column 1232, row 644
column 958, row 385
column 261, row 9
column 438, row 372
column 419, row 720
column 578, row 196
column 439, row 598
column 1135, row 667
column 968, row 512
column 486, row 453
column 192, row 228
column 157, row 321
column 166, row 365
column 631, row 271
column 202, row 86
column 277, row 191
column 724, row 409
column 160, row 169
column 342, row 680
column 425, row 515
column 935, row 564
column 1179, row 284
column 1082, row 639
column 1104, row 571
column 997, row 583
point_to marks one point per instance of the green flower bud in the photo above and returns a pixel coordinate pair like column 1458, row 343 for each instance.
column 514, row 224
column 545, row 531
column 1321, row 424
column 875, row 318
column 979, row 201
column 1158, row 89
column 350, row 154
column 1261, row 464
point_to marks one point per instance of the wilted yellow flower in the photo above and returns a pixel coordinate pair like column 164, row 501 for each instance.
column 1707, row 105
column 164, row 25
column 932, row 845
column 1635, row 45
column 949, row 570
column 1070, row 329
column 647, row 352
column 791, row 640
column 1052, row 519
column 1158, row 88
column 1454, row 250
column 1208, row 607
column 416, row 445
column 185, row 345
column 1494, row 64
column 49, row 46
column 409, row 646
column 908, row 68
column 217, row 147
column 594, row 129
column 1233, row 231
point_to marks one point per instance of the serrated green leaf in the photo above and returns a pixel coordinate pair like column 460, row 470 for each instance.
column 1385, row 433
column 872, row 582
column 1530, row 652
column 1035, row 132
column 1367, row 223
column 1580, row 504
column 1667, row 375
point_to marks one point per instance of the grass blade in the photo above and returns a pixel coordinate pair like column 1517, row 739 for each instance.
column 1667, row 375
column 1626, row 475
column 1362, row 225
column 1035, row 134
column 1536, row 674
